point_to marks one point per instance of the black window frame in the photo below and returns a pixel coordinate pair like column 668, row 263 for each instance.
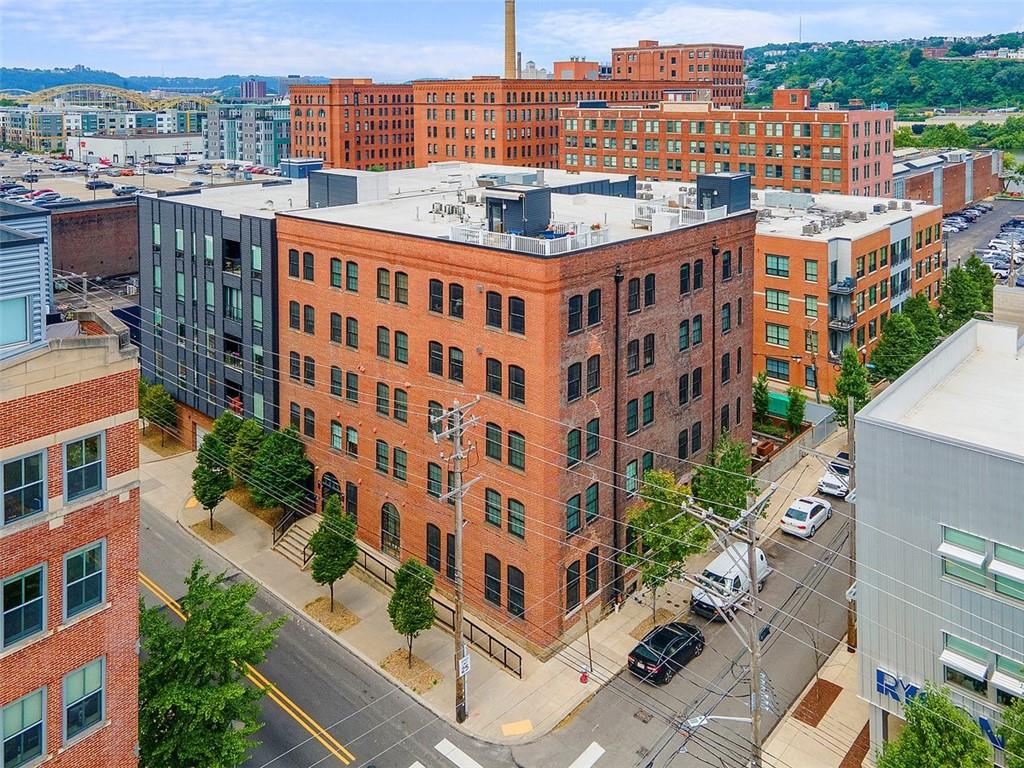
column 493, row 310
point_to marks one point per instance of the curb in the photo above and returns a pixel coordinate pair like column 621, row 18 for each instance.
column 365, row 659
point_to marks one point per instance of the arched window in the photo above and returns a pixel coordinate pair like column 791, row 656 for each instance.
column 390, row 531
column 329, row 486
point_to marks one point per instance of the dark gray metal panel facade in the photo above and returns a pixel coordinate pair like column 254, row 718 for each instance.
column 188, row 353
column 327, row 189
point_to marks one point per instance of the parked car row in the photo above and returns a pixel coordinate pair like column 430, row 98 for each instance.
column 958, row 222
column 1006, row 250
column 19, row 194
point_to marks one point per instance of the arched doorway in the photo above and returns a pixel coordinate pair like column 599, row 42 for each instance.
column 329, row 486
column 390, row 531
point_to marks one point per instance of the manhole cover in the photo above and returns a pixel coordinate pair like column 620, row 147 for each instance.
column 643, row 715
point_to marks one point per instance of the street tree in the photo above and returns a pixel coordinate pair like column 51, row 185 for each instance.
column 665, row 534
column 959, row 300
column 211, row 478
column 926, row 322
column 982, row 277
column 898, row 348
column 195, row 706
column 280, row 471
column 1012, row 732
column 761, row 398
column 410, row 608
column 852, row 380
column 723, row 481
column 795, row 409
column 226, row 428
column 243, row 452
column 938, row 734
column 160, row 410
column 334, row 545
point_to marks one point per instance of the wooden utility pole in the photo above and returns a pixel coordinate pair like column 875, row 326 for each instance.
column 754, row 640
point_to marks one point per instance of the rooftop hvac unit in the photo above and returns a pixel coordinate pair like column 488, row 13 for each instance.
column 755, row 196
column 878, row 208
column 907, row 205
column 437, row 207
column 862, row 215
column 848, row 215
column 808, row 229
column 470, row 198
column 893, row 205
column 816, row 226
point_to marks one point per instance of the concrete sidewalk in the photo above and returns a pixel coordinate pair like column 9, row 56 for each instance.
column 513, row 710
column 827, row 726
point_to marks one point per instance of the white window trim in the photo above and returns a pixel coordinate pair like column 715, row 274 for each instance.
column 1005, row 682
column 64, row 578
column 1008, row 570
column 968, row 666
column 962, row 554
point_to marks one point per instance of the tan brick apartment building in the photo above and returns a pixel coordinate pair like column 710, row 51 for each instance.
column 69, row 522
column 395, row 306
column 353, row 123
column 788, row 147
column 488, row 119
column 828, row 271
column 698, row 65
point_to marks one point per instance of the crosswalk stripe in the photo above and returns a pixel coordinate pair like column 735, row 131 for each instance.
column 417, row 764
column 456, row 755
column 590, row 756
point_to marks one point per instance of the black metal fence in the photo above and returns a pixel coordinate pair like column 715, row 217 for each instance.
column 445, row 615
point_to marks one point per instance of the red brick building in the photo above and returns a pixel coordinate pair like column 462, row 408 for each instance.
column 576, row 68
column 99, row 238
column 488, row 119
column 788, row 147
column 353, row 123
column 68, row 541
column 953, row 179
column 700, row 65
column 598, row 351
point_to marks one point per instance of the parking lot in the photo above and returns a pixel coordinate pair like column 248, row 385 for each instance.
column 960, row 245
column 73, row 184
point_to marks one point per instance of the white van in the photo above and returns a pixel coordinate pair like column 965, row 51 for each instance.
column 727, row 580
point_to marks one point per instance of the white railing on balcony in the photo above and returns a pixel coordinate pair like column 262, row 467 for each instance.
column 477, row 234
column 674, row 217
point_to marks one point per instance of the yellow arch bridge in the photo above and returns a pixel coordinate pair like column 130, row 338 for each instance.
column 112, row 97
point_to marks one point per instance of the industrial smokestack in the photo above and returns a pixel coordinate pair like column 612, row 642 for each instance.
column 510, row 39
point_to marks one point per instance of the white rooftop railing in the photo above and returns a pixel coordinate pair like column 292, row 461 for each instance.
column 477, row 234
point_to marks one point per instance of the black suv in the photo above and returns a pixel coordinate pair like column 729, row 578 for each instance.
column 98, row 184
column 665, row 650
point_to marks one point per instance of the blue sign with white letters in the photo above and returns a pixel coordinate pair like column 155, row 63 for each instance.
column 900, row 690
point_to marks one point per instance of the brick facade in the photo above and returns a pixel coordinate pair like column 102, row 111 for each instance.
column 544, row 351
column 698, row 65
column 44, row 422
column 353, row 123
column 803, row 150
column 101, row 240
column 953, row 183
column 511, row 122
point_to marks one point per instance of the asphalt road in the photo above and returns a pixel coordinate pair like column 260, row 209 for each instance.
column 960, row 245
column 803, row 604
column 374, row 721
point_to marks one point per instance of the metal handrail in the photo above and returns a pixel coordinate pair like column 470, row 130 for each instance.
column 282, row 525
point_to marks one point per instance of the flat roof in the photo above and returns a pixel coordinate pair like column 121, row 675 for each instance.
column 403, row 201
column 11, row 209
column 777, row 217
column 966, row 390
column 262, row 199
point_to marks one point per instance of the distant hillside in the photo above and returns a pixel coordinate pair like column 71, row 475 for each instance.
column 36, row 79
column 891, row 72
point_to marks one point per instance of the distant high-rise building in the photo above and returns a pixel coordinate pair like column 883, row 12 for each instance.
column 285, row 83
column 254, row 89
column 698, row 65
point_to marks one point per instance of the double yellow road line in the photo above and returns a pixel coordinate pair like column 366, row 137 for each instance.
column 293, row 710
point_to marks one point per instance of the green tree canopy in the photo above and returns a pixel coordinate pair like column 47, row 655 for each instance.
column 334, row 545
column 159, row 408
column 898, row 348
column 411, row 610
column 959, row 300
column 211, row 478
column 243, row 452
column 761, row 398
column 666, row 535
column 938, row 734
column 192, row 691
column 723, row 481
column 226, row 428
column 795, row 409
column 926, row 322
column 983, row 278
column 852, row 380
column 1012, row 732
column 280, row 471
